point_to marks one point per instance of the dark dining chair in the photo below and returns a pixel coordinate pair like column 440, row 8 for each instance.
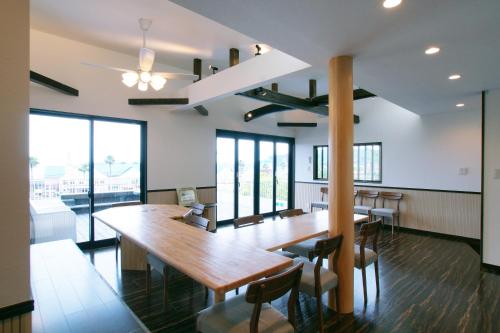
column 387, row 212
column 316, row 280
column 153, row 262
column 364, row 256
column 321, row 204
column 305, row 248
column 253, row 312
column 367, row 202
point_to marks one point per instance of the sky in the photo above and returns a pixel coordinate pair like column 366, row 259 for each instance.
column 65, row 141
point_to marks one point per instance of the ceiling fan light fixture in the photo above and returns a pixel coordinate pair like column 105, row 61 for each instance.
column 391, row 3
column 142, row 86
column 157, row 82
column 130, row 79
column 145, row 76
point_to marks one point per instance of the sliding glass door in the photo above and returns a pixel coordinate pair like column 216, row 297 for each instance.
column 254, row 174
column 81, row 164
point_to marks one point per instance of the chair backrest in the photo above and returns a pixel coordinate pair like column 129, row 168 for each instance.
column 247, row 221
column 125, row 203
column 197, row 209
column 355, row 194
column 198, row 222
column 322, row 250
column 291, row 213
column 367, row 231
column 391, row 196
column 324, row 192
column 365, row 194
column 269, row 289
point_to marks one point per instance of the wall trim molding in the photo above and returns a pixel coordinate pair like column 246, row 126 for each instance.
column 490, row 268
column 397, row 188
column 175, row 189
column 18, row 309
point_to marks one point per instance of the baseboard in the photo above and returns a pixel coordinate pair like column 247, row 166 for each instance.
column 472, row 242
column 490, row 268
column 18, row 309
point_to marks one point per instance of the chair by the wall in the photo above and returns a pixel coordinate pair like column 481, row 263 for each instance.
column 316, row 280
column 253, row 312
column 385, row 212
column 367, row 202
column 321, row 204
column 364, row 256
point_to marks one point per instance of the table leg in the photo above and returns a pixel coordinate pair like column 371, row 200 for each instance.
column 219, row 296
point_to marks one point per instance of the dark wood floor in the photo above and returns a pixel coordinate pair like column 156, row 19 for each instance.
column 427, row 285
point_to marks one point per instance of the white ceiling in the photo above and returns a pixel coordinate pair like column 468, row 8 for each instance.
column 177, row 34
column 388, row 45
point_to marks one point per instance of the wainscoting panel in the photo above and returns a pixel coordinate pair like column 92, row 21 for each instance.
column 446, row 212
column 17, row 324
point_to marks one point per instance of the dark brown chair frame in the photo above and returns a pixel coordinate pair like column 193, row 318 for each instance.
column 365, row 194
column 248, row 221
column 391, row 196
column 322, row 250
column 291, row 213
column 269, row 289
column 366, row 231
column 324, row 191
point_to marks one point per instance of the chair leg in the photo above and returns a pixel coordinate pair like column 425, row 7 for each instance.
column 237, row 291
column 319, row 305
column 337, row 303
column 117, row 244
column 363, row 272
column 398, row 222
column 310, row 256
column 376, row 277
column 148, row 279
column 165, row 287
column 392, row 225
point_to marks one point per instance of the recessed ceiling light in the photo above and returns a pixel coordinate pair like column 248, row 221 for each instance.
column 391, row 3
column 454, row 76
column 432, row 50
column 460, row 105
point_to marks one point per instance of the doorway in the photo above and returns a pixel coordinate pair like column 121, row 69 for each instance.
column 80, row 164
column 254, row 174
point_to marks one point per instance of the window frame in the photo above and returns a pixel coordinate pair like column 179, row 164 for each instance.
column 316, row 176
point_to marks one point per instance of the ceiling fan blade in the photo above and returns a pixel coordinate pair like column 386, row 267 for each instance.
column 146, row 59
column 177, row 76
column 107, row 67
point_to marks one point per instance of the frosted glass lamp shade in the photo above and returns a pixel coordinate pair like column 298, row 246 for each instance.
column 143, row 86
column 130, row 79
column 157, row 82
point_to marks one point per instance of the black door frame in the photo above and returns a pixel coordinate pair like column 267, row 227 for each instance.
column 257, row 138
column 92, row 243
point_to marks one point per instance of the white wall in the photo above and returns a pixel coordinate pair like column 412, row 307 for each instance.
column 417, row 151
column 14, row 219
column 181, row 144
column 491, row 223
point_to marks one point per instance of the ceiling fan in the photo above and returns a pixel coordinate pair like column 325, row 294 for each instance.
column 143, row 76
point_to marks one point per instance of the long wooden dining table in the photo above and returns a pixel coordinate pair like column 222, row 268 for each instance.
column 222, row 261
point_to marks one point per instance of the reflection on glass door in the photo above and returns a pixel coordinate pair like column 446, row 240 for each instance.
column 225, row 178
column 246, row 152
column 282, row 175
column 59, row 178
column 266, row 175
column 117, row 168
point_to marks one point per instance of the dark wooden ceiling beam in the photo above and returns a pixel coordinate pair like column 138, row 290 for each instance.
column 197, row 68
column 52, row 84
column 234, row 57
column 201, row 110
column 266, row 95
column 285, row 124
column 158, row 101
column 357, row 94
column 265, row 110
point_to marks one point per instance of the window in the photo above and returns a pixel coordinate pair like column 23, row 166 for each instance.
column 367, row 166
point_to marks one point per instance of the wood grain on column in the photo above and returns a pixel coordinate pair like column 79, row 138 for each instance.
column 340, row 183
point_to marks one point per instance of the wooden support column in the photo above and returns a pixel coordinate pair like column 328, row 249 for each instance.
column 234, row 57
column 340, row 180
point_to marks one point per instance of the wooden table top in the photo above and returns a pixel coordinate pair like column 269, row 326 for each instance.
column 219, row 263
column 274, row 235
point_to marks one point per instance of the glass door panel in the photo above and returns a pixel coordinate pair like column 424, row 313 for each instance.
column 117, row 168
column 246, row 153
column 266, row 174
column 282, row 173
column 59, row 178
column 225, row 178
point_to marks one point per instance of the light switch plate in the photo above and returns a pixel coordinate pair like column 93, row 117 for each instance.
column 463, row 171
